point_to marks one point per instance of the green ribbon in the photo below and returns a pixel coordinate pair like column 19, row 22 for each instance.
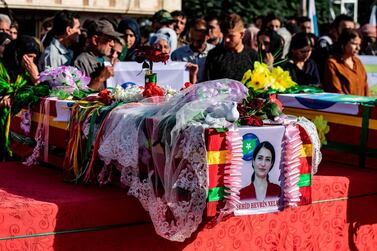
column 303, row 89
column 305, row 180
column 216, row 194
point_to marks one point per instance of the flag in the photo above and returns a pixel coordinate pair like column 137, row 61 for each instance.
column 372, row 19
column 313, row 17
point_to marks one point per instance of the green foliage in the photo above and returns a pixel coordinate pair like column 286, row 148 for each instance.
column 250, row 9
column 247, row 9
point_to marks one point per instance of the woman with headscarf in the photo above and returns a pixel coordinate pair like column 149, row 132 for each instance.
column 130, row 28
column 19, row 83
column 161, row 42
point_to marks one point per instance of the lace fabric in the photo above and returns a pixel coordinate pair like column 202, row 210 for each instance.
column 159, row 148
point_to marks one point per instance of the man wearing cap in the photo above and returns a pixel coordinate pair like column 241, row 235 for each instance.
column 162, row 18
column 66, row 28
column 95, row 61
column 163, row 23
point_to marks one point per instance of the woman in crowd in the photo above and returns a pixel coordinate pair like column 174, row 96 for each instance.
column 262, row 163
column 270, row 47
column 302, row 69
column 19, row 83
column 130, row 28
column 5, row 39
column 161, row 42
column 344, row 72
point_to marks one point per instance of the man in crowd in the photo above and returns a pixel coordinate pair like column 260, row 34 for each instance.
column 273, row 22
column 14, row 30
column 162, row 18
column 95, row 61
column 163, row 23
column 66, row 28
column 5, row 23
column 231, row 59
column 197, row 51
column 215, row 35
column 179, row 26
column 325, row 43
column 305, row 24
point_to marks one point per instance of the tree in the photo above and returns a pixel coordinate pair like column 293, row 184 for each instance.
column 249, row 9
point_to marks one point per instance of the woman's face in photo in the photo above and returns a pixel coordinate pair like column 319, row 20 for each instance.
column 262, row 163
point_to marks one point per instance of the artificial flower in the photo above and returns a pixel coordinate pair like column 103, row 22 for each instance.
column 251, row 121
column 130, row 94
column 66, row 81
column 152, row 89
column 280, row 79
column 259, row 78
column 273, row 99
column 322, row 128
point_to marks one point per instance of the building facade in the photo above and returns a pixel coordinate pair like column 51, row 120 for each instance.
column 31, row 13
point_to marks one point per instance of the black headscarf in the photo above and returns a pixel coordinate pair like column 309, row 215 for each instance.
column 129, row 23
column 14, row 52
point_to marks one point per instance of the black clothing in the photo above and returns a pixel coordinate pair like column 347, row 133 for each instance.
column 223, row 63
column 307, row 76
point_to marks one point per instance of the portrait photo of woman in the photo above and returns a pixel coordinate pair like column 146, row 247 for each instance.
column 260, row 187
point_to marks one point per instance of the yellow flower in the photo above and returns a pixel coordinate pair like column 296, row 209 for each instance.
column 281, row 79
column 322, row 128
column 259, row 78
column 262, row 78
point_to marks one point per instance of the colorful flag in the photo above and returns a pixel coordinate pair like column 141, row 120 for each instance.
column 313, row 17
column 372, row 19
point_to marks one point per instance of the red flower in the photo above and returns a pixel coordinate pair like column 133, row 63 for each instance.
column 151, row 54
column 251, row 121
column 242, row 110
column 186, row 85
column 152, row 89
column 273, row 99
column 255, row 104
column 103, row 97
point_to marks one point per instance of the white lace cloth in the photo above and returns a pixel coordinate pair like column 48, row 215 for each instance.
column 174, row 218
column 161, row 154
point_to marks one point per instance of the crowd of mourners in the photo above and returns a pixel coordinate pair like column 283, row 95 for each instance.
column 213, row 47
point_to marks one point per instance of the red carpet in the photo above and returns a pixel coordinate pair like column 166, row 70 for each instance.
column 35, row 201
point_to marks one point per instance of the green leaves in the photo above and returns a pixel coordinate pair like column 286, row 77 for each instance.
column 251, row 9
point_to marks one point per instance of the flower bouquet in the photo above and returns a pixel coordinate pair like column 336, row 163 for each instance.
column 261, row 103
column 147, row 55
column 66, row 82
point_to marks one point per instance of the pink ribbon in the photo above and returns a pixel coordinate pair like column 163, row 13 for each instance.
column 291, row 164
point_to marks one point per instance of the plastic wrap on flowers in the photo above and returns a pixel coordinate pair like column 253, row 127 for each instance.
column 160, row 151
column 291, row 165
